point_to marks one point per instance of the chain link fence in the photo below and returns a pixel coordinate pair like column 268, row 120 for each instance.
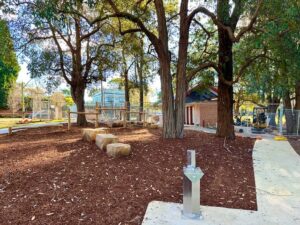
column 274, row 119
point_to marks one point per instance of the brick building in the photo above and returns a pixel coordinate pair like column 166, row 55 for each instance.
column 201, row 107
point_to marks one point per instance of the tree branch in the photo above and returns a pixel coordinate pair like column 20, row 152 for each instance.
column 251, row 23
column 247, row 64
column 60, row 55
column 118, row 14
column 234, row 19
column 191, row 75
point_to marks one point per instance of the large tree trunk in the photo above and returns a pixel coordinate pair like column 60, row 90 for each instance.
column 181, row 85
column 141, row 85
column 162, row 49
column 127, row 96
column 78, row 86
column 167, row 99
column 237, row 105
column 126, row 83
column 225, row 92
column 77, row 92
column 297, row 97
column 289, row 114
column 297, row 107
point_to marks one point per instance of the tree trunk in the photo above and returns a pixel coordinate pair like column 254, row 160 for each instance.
column 162, row 49
column 167, row 99
column 297, row 97
column 237, row 105
column 127, row 96
column 126, row 83
column 225, row 92
column 297, row 107
column 77, row 92
column 141, row 85
column 289, row 115
column 181, row 85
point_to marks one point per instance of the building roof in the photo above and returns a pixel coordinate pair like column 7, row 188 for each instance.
column 200, row 94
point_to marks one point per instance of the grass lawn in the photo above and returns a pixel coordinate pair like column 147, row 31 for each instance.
column 13, row 122
column 8, row 122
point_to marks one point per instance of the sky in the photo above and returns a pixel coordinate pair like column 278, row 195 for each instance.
column 23, row 74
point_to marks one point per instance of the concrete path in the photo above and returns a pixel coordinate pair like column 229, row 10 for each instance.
column 246, row 131
column 23, row 127
column 198, row 128
column 277, row 177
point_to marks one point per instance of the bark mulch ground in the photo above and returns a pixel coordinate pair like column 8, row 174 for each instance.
column 50, row 176
column 295, row 143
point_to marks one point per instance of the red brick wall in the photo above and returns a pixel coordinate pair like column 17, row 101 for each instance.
column 209, row 113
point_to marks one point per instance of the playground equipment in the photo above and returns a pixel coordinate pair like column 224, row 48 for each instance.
column 259, row 120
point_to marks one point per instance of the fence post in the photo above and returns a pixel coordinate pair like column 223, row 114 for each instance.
column 69, row 119
column 280, row 119
column 10, row 130
column 97, row 116
column 144, row 118
column 298, row 122
column 124, row 118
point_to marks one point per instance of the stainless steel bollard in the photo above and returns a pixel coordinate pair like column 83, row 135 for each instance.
column 191, row 188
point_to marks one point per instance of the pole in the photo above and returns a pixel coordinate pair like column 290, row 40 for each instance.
column 23, row 101
column 144, row 118
column 69, row 119
column 298, row 122
column 48, row 108
column 23, row 97
column 97, row 116
column 125, row 116
column 102, row 93
column 280, row 119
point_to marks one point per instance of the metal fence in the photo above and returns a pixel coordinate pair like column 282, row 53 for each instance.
column 278, row 121
column 114, row 112
column 284, row 121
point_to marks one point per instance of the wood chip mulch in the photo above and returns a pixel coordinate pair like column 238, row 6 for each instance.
column 50, row 176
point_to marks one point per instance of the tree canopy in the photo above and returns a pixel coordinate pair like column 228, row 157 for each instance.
column 9, row 66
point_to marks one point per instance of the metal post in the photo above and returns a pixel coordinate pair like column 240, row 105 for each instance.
column 23, row 101
column 97, row 116
column 298, row 112
column 124, row 118
column 102, row 94
column 48, row 108
column 280, row 119
column 10, row 130
column 191, row 188
column 69, row 119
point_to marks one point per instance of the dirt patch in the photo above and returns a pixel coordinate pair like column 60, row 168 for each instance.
column 295, row 143
column 51, row 176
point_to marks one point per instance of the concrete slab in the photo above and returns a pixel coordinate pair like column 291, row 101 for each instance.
column 277, row 176
column 164, row 213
